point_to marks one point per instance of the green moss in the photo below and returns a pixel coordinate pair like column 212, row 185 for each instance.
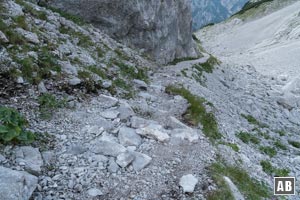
column 196, row 112
column 247, row 138
column 270, row 151
column 249, row 187
column 269, row 169
column 294, row 144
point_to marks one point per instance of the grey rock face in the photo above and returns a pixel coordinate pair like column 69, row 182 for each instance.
column 31, row 158
column 15, row 185
column 141, row 161
column 162, row 29
column 108, row 148
column 128, row 137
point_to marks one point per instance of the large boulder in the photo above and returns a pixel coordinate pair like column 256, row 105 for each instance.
column 16, row 185
column 162, row 29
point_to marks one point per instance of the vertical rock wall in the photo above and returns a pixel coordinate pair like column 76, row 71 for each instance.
column 161, row 28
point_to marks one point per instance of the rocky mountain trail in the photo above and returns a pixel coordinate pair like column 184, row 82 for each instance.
column 105, row 128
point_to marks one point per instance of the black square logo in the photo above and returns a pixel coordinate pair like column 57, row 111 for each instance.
column 284, row 185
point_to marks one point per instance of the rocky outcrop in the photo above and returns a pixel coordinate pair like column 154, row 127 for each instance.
column 161, row 29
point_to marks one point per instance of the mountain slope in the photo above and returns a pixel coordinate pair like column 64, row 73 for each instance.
column 213, row 11
column 258, row 42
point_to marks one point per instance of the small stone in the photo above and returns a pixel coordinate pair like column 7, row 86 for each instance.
column 20, row 80
column 48, row 157
column 74, row 81
column 42, row 88
column 125, row 111
column 29, row 36
column 31, row 157
column 154, row 131
column 3, row 38
column 188, row 183
column 16, row 184
column 94, row 192
column 112, row 166
column 110, row 114
column 107, row 148
column 188, row 134
column 140, row 84
column 128, row 137
column 106, row 84
column 107, row 101
column 141, row 161
column 2, row 158
column 124, row 159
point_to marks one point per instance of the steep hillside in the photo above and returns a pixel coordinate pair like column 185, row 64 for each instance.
column 270, row 43
column 213, row 11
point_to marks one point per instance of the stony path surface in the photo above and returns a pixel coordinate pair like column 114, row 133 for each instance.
column 112, row 148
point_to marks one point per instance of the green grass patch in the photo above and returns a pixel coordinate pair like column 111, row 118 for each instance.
column 270, row 151
column 281, row 132
column 249, row 187
column 207, row 67
column 122, row 55
column 98, row 71
column 247, row 137
column 29, row 9
column 35, row 71
column 269, row 169
column 279, row 145
column 294, row 144
column 21, row 22
column 178, row 60
column 132, row 72
column 234, row 147
column 252, row 120
column 13, row 127
column 196, row 112
column 48, row 104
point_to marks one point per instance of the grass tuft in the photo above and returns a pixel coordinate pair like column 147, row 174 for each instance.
column 269, row 169
column 249, row 187
column 247, row 138
column 196, row 112
column 294, row 144
column 270, row 151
